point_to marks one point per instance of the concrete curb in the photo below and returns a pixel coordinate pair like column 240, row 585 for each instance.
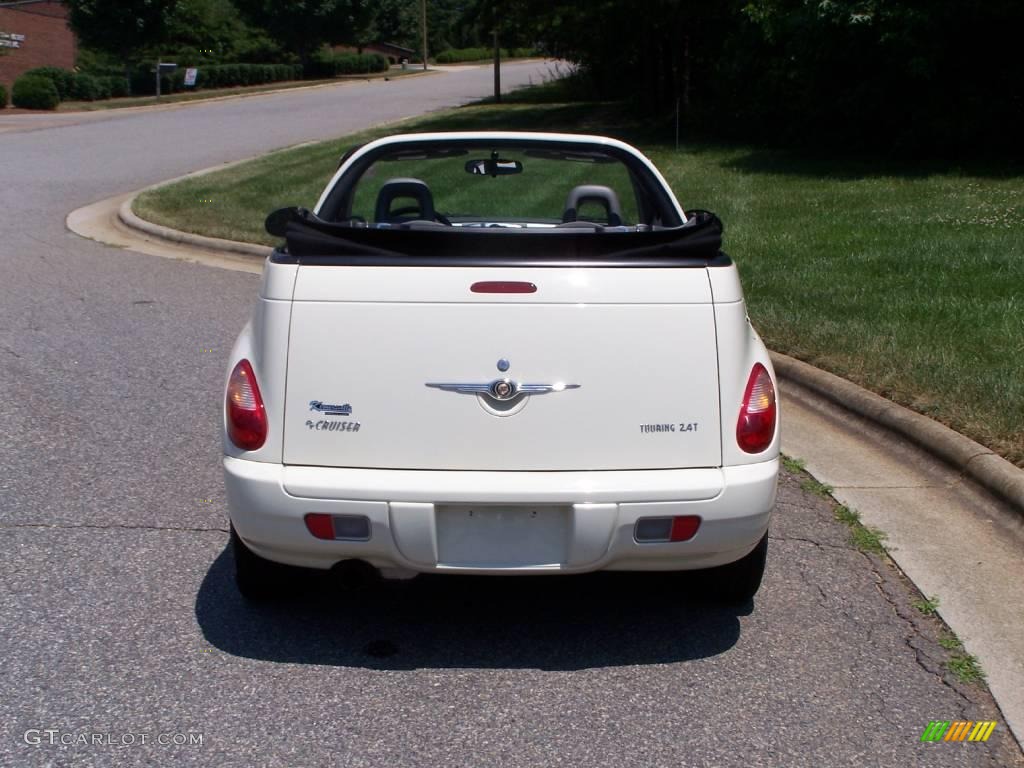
column 130, row 220
column 981, row 464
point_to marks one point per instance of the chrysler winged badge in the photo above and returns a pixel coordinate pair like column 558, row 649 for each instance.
column 504, row 389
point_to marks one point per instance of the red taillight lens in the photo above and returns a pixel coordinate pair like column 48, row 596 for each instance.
column 246, row 418
column 756, row 426
column 684, row 527
column 320, row 526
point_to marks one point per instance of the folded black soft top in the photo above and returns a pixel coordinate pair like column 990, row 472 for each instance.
column 310, row 240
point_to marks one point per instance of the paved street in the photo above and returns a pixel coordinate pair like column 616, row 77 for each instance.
column 118, row 617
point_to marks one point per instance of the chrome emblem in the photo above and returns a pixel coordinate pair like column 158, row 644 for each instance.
column 503, row 389
column 329, row 409
column 500, row 389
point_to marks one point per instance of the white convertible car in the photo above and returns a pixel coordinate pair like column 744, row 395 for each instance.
column 500, row 353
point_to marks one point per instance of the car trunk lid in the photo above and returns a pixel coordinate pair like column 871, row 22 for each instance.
column 382, row 362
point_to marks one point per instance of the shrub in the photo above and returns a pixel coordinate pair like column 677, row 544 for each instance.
column 456, row 55
column 63, row 79
column 103, row 90
column 327, row 64
column 216, row 76
column 85, row 87
column 143, row 82
column 35, row 92
column 3, row 97
column 459, row 55
column 117, row 85
column 206, row 77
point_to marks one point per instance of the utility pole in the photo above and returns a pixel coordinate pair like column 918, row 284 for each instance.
column 423, row 25
column 497, row 67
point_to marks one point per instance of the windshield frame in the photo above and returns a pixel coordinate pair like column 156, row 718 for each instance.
column 655, row 203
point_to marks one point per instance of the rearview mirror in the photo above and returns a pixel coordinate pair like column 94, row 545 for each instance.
column 276, row 223
column 493, row 166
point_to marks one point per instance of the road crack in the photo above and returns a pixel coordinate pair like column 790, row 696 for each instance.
column 914, row 639
column 803, row 540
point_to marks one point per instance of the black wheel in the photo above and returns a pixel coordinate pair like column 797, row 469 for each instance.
column 256, row 578
column 737, row 583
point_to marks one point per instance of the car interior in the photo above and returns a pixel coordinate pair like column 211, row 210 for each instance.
column 416, row 204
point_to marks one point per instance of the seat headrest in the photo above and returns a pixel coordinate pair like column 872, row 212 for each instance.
column 395, row 189
column 587, row 193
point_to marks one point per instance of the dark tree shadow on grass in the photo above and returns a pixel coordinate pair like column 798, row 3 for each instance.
column 818, row 164
column 533, row 110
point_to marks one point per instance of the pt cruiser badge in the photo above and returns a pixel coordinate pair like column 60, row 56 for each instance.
column 330, row 410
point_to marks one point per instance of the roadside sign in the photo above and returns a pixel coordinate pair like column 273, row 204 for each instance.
column 161, row 68
column 10, row 40
column 190, row 76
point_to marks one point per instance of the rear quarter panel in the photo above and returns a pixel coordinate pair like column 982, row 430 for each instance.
column 739, row 348
column 264, row 343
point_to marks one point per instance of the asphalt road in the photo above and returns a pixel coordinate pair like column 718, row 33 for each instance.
column 119, row 622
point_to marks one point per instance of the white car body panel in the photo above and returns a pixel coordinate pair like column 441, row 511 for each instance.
column 378, row 353
column 645, row 346
column 601, row 507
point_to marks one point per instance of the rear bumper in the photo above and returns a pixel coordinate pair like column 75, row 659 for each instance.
column 267, row 504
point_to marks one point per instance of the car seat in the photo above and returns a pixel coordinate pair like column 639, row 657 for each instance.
column 587, row 193
column 404, row 189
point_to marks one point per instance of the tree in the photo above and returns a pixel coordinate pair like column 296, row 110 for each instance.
column 398, row 21
column 213, row 31
column 124, row 28
column 303, row 26
column 395, row 21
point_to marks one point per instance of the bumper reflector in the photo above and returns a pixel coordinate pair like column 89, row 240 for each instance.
column 663, row 529
column 339, row 527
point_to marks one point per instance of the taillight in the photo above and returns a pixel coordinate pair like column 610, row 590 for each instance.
column 756, row 426
column 663, row 529
column 246, row 418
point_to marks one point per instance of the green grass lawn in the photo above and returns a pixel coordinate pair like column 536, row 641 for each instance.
column 906, row 280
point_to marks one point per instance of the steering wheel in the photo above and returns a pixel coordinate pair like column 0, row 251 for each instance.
column 409, row 210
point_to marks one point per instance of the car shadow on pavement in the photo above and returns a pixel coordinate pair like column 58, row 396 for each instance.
column 562, row 623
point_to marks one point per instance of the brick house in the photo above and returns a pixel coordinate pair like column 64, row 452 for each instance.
column 392, row 52
column 34, row 33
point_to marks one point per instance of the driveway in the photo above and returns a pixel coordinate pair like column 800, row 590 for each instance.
column 123, row 639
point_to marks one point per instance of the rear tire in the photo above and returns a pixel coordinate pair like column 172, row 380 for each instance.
column 737, row 583
column 256, row 578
